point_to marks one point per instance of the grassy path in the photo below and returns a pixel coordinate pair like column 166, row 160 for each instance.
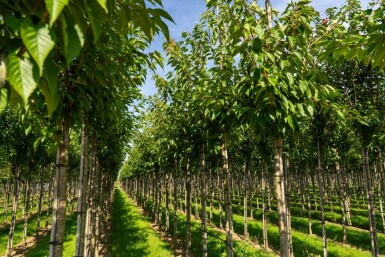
column 131, row 232
column 41, row 249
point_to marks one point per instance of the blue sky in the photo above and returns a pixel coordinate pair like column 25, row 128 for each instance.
column 186, row 13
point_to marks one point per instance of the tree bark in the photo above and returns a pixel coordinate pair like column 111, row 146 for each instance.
column 40, row 204
column 284, row 248
column 322, row 195
column 27, row 205
column 227, row 196
column 188, row 208
column 203, row 198
column 82, row 194
column 370, row 200
column 308, row 199
column 60, row 194
column 14, row 210
column 245, row 214
column 264, row 210
column 6, row 201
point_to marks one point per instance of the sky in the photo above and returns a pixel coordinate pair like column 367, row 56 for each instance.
column 186, row 13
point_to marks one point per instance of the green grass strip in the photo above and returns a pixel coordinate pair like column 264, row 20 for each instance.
column 131, row 232
column 41, row 249
column 18, row 234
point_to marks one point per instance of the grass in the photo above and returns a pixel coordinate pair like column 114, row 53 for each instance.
column 41, row 249
column 19, row 228
column 131, row 232
column 215, row 240
column 303, row 244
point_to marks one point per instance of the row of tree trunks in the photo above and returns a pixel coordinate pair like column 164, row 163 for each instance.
column 336, row 180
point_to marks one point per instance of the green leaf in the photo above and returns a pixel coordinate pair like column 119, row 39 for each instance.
column 3, row 98
column 36, row 144
column 23, row 74
column 51, row 148
column 13, row 22
column 163, row 14
column 73, row 38
column 290, row 122
column 48, row 87
column 27, row 130
column 340, row 114
column 257, row 74
column 310, row 110
column 272, row 81
column 103, row 4
column 96, row 16
column 54, row 8
column 39, row 41
column 257, row 45
column 290, row 78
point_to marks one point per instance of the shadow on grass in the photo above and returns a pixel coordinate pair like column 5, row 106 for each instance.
column 131, row 232
column 41, row 249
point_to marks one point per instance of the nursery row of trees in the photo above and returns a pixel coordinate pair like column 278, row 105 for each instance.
column 288, row 97
column 69, row 71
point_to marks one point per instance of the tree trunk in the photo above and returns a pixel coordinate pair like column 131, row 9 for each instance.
column 59, row 204
column 264, row 210
column 40, row 204
column 82, row 194
column 27, row 206
column 175, row 201
column 308, row 199
column 6, row 200
column 167, row 203
column 203, row 198
column 322, row 195
column 245, row 215
column 49, row 200
column 284, row 248
column 14, row 210
column 188, row 208
column 90, row 205
column 370, row 201
column 227, row 196
column 342, row 199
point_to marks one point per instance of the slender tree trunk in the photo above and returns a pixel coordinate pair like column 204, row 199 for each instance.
column 381, row 187
column 342, row 199
column 211, row 196
column 227, row 195
column 288, row 202
column 188, row 208
column 167, row 203
column 96, row 232
column 6, row 200
column 281, row 201
column 264, row 210
column 308, row 199
column 220, row 200
column 59, row 204
column 49, row 200
column 175, row 201
column 370, row 200
column 203, row 198
column 245, row 215
column 27, row 206
column 14, row 210
column 41, row 194
column 82, row 194
column 322, row 195
column 90, row 205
